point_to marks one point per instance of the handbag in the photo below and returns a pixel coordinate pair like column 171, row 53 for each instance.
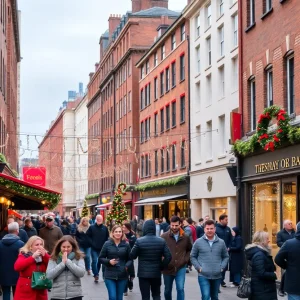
column 39, row 281
column 244, row 289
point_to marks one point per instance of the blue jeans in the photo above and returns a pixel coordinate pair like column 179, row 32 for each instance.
column 237, row 278
column 209, row 288
column 6, row 290
column 115, row 288
column 179, row 280
column 290, row 297
column 95, row 254
column 87, row 258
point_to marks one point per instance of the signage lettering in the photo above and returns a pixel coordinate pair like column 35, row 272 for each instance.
column 283, row 163
column 154, row 193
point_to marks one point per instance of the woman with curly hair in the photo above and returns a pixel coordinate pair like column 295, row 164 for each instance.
column 65, row 268
column 32, row 258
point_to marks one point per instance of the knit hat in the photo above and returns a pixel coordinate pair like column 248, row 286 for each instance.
column 236, row 230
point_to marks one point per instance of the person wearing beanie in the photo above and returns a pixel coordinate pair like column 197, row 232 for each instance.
column 288, row 258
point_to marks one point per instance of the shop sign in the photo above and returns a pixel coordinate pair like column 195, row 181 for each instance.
column 35, row 176
column 153, row 193
column 278, row 164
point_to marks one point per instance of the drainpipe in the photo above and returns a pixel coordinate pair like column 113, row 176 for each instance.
column 189, row 114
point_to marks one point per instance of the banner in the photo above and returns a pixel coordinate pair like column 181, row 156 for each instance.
column 35, row 175
column 235, row 126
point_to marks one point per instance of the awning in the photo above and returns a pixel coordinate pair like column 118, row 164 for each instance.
column 110, row 203
column 158, row 200
column 11, row 212
column 81, row 207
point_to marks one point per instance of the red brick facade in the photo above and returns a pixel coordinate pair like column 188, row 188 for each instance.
column 268, row 44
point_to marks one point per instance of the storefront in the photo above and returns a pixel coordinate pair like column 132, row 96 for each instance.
column 269, row 192
column 164, row 202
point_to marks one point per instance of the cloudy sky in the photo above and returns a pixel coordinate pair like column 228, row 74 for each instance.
column 59, row 47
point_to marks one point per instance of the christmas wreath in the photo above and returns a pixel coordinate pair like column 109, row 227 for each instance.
column 271, row 141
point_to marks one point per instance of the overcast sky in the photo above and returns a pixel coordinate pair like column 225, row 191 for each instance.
column 59, row 48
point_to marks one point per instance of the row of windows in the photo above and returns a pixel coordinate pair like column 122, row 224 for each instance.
column 123, row 73
column 107, row 92
column 145, row 68
column 123, row 106
column 266, row 7
column 94, row 107
column 167, row 81
column 3, row 16
column 2, row 75
column 289, row 87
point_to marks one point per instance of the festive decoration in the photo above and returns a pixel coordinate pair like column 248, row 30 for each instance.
column 161, row 183
column 118, row 211
column 267, row 139
column 85, row 210
column 91, row 196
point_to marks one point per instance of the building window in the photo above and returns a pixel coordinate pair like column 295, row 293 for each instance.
column 163, row 51
column 198, row 97
column 147, row 165
column 182, row 154
column 162, row 120
column 162, row 161
column 173, row 113
column 208, row 42
column 142, row 71
column 174, row 165
column 291, row 85
column 125, row 105
column 162, row 83
column 130, row 136
column 267, row 5
column 198, row 60
column 198, row 144
column 235, row 30
column 130, row 174
column 142, row 132
column 173, row 74
column 209, row 90
column 129, row 101
column 147, row 67
column 156, row 124
column 146, row 130
column 155, row 59
column 221, row 39
column 155, row 88
column 182, row 109
column 235, row 74
column 269, row 87
column 182, row 67
column 142, row 99
column 253, row 104
column 155, row 162
column 222, row 82
column 251, row 10
column 173, row 41
column 168, row 159
column 222, row 135
column 167, row 79
column 182, row 32
column 221, row 7
column 197, row 26
column 149, row 93
column 167, row 117
column 208, row 15
column 142, row 167
column 208, row 135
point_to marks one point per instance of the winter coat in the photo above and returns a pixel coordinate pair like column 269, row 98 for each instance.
column 283, row 236
column 164, row 226
column 73, row 229
column 66, row 278
column 139, row 229
column 30, row 231
column 131, row 238
column 83, row 240
column 124, row 267
column 208, row 260
column 26, row 265
column 180, row 251
column 50, row 237
column 188, row 232
column 199, row 231
column 288, row 258
column 99, row 235
column 22, row 235
column 133, row 224
column 9, row 252
column 153, row 252
column 224, row 233
column 236, row 256
column 261, row 270
column 65, row 227
column 194, row 234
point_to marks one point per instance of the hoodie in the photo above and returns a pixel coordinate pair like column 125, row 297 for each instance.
column 9, row 252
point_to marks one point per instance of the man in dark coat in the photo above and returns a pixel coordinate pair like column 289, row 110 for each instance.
column 154, row 255
column 22, row 233
column 286, row 233
column 224, row 233
column 29, row 228
column 9, row 252
column 98, row 234
column 288, row 258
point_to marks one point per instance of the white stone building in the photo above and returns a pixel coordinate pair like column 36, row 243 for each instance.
column 214, row 95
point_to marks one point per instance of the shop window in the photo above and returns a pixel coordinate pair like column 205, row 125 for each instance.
column 289, row 205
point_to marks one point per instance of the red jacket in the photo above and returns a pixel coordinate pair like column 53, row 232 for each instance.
column 194, row 233
column 25, row 266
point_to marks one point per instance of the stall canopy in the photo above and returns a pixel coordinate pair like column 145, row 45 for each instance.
column 158, row 200
column 11, row 212
column 27, row 196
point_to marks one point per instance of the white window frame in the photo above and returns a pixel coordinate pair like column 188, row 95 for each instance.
column 198, row 56
column 155, row 59
column 198, row 26
column 268, row 5
column 221, row 8
column 173, row 42
column 222, row 81
column 252, row 12
column 270, row 99
column 221, row 37
column 208, row 15
column 209, row 60
column 208, row 134
column 253, row 104
column 222, row 134
column 235, row 31
column 291, row 102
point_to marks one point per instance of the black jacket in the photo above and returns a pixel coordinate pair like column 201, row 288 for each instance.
column 283, row 236
column 131, row 238
column 22, row 235
column 236, row 256
column 263, row 278
column 224, row 233
column 83, row 240
column 199, row 231
column 30, row 231
column 153, row 252
column 164, row 226
column 109, row 251
column 99, row 235
column 288, row 258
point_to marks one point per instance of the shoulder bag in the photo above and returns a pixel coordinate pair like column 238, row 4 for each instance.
column 39, row 281
column 244, row 289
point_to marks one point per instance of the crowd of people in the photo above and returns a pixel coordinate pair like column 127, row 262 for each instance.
column 67, row 249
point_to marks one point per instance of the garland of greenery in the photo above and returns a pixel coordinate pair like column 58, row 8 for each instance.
column 160, row 183
column 51, row 199
column 264, row 139
column 2, row 158
column 91, row 196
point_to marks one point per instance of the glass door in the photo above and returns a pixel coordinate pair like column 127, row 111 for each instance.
column 289, row 200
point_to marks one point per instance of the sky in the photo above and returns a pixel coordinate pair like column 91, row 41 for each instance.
column 59, row 48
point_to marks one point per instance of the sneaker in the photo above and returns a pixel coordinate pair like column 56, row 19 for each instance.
column 187, row 271
column 233, row 286
column 125, row 294
column 96, row 279
column 281, row 293
column 223, row 284
column 190, row 268
column 89, row 272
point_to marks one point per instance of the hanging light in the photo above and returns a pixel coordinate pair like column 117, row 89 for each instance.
column 43, row 202
column 2, row 200
column 8, row 203
column 12, row 204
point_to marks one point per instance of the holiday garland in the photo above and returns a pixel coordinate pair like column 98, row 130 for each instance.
column 118, row 211
column 264, row 138
column 91, row 196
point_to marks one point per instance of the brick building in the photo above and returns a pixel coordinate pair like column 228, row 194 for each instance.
column 113, row 107
column 164, row 123
column 269, row 75
column 9, row 80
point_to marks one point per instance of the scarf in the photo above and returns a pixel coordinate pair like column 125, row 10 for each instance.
column 71, row 256
column 38, row 259
column 83, row 228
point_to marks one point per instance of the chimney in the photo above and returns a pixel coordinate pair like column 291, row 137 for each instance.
column 91, row 75
column 162, row 28
column 113, row 22
column 138, row 5
column 96, row 66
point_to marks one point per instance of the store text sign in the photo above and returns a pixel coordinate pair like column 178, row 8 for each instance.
column 278, row 164
column 35, row 175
